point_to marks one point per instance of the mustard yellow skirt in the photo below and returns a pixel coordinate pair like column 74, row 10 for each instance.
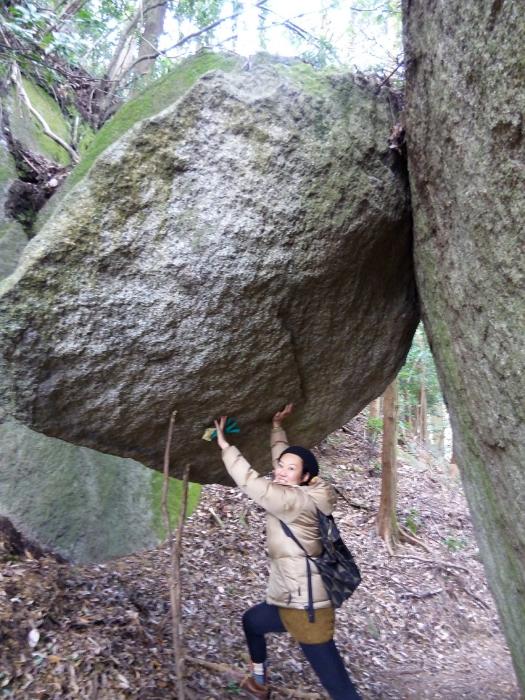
column 298, row 626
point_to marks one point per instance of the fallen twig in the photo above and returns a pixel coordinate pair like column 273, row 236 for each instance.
column 424, row 594
column 407, row 536
column 216, row 518
column 236, row 674
column 467, row 590
column 435, row 562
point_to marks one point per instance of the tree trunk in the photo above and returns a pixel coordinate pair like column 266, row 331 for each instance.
column 440, row 430
column 374, row 407
column 423, row 431
column 453, row 469
column 154, row 14
column 387, row 526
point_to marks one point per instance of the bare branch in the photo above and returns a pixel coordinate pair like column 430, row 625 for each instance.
column 175, row 557
column 164, row 52
column 166, row 473
column 434, row 562
column 17, row 81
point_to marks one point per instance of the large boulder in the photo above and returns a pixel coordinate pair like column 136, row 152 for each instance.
column 85, row 505
column 249, row 245
column 466, row 101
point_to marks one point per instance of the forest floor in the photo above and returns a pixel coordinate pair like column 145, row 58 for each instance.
column 422, row 624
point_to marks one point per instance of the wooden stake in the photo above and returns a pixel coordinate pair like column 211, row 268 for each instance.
column 166, row 480
column 175, row 558
column 176, row 595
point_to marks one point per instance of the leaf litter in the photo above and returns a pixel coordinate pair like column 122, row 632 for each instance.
column 422, row 624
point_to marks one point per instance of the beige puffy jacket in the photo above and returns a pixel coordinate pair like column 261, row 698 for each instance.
column 296, row 506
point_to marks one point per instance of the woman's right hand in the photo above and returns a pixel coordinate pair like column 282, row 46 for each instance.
column 281, row 415
column 220, row 427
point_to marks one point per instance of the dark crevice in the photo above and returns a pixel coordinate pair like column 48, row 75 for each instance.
column 38, row 179
column 282, row 316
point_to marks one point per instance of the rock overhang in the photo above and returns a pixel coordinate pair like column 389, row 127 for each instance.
column 246, row 247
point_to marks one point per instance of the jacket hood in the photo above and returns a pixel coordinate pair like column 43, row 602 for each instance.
column 323, row 494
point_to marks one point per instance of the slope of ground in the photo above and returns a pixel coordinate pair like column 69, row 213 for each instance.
column 422, row 624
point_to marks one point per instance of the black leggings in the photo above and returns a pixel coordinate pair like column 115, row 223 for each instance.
column 324, row 658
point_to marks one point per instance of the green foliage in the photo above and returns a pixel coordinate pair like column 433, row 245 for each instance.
column 374, row 426
column 419, row 368
column 201, row 12
column 454, row 544
column 321, row 54
column 232, row 688
column 87, row 38
column 412, row 521
column 377, row 468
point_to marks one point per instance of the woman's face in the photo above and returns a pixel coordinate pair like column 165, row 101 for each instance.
column 289, row 471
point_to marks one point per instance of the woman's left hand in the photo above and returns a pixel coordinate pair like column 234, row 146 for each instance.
column 219, row 427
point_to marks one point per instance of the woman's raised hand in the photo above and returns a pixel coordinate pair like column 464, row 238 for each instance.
column 219, row 427
column 281, row 415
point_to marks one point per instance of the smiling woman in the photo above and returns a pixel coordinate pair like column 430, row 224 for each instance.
column 289, row 471
column 296, row 600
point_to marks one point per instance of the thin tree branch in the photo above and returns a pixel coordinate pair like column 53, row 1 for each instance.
column 74, row 6
column 399, row 64
column 122, row 43
column 434, row 562
column 166, row 474
column 189, row 37
column 407, row 536
column 17, row 80
column 303, row 33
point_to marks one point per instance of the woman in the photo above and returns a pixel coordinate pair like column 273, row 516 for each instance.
column 293, row 497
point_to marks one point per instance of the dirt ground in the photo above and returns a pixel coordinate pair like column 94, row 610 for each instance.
column 422, row 624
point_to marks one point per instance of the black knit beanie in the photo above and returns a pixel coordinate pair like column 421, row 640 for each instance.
column 310, row 464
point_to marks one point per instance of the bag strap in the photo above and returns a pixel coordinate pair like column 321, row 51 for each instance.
column 289, row 533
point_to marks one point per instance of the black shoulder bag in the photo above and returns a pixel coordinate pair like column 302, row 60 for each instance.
column 339, row 572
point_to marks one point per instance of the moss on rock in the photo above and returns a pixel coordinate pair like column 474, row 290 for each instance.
column 207, row 252
column 174, row 501
column 150, row 101
column 466, row 149
column 85, row 505
column 28, row 130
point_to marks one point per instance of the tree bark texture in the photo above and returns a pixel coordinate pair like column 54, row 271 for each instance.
column 153, row 25
column 387, row 526
column 466, row 149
